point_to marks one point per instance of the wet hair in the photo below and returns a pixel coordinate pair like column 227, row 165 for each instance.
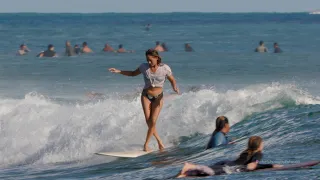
column 50, row 46
column 253, row 146
column 22, row 45
column 221, row 122
column 152, row 52
column 120, row 46
column 157, row 43
column 84, row 43
column 275, row 44
column 261, row 42
column 76, row 45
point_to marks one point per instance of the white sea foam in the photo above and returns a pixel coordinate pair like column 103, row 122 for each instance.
column 39, row 130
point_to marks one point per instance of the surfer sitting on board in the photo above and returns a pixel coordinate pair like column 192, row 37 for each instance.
column 155, row 74
column 247, row 161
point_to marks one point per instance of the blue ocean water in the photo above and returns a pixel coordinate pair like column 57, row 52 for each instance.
column 50, row 129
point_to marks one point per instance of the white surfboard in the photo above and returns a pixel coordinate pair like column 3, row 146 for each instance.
column 128, row 154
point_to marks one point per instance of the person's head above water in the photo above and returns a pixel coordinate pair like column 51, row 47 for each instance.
column 84, row 44
column 275, row 45
column 261, row 43
column 120, row 46
column 22, row 46
column 153, row 57
column 157, row 43
column 222, row 124
column 50, row 47
column 68, row 43
column 255, row 144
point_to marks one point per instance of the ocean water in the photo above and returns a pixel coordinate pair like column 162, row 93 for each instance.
column 50, row 128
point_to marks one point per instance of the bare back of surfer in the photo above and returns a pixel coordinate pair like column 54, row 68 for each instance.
column 155, row 73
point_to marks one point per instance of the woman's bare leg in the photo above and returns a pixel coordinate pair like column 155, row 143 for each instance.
column 151, row 112
column 156, row 107
column 146, row 106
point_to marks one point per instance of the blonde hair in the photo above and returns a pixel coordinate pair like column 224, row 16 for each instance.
column 253, row 146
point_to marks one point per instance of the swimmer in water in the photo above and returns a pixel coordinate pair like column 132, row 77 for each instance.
column 248, row 161
column 261, row 48
column 276, row 48
column 49, row 52
column 85, row 48
column 164, row 46
column 147, row 27
column 23, row 50
column 123, row 50
column 76, row 49
column 219, row 135
column 158, row 47
column 69, row 49
column 107, row 48
column 155, row 73
column 188, row 48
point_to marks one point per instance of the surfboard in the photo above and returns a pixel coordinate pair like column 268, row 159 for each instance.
column 127, row 154
column 292, row 166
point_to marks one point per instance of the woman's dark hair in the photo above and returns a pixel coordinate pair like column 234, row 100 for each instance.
column 221, row 121
column 152, row 52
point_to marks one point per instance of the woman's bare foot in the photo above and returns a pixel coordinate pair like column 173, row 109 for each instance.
column 161, row 146
column 186, row 167
column 146, row 149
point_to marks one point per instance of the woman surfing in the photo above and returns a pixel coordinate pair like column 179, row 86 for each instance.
column 155, row 73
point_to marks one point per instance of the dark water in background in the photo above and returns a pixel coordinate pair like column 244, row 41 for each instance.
column 50, row 128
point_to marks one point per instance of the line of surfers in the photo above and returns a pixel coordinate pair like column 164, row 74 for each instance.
column 71, row 51
column 248, row 160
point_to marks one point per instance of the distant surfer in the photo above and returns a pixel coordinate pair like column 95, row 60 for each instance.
column 49, row 52
column 155, row 73
column 121, row 49
column 277, row 48
column 85, row 48
column 147, row 27
column 158, row 47
column 23, row 50
column 165, row 47
column 69, row 50
column 76, row 49
column 107, row 48
column 249, row 160
column 188, row 48
column 261, row 48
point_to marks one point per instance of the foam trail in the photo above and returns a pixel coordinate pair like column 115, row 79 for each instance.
column 38, row 130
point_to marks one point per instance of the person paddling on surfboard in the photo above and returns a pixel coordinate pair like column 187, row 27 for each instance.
column 248, row 161
column 155, row 73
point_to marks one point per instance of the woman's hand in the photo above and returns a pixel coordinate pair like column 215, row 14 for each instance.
column 114, row 70
column 176, row 90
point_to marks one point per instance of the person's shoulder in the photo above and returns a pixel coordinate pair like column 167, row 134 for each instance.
column 258, row 155
column 166, row 66
column 219, row 135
